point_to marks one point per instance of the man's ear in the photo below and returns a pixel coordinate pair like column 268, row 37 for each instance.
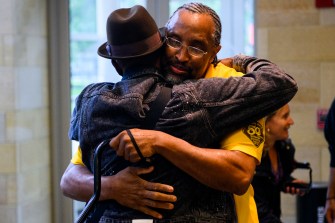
column 216, row 51
column 117, row 67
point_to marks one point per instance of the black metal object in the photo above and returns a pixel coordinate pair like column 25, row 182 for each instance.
column 97, row 182
column 311, row 206
column 305, row 187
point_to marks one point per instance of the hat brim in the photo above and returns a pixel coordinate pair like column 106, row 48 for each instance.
column 102, row 50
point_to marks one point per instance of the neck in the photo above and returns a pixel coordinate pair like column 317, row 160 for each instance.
column 269, row 143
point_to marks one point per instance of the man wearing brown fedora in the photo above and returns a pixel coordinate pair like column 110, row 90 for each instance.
column 111, row 108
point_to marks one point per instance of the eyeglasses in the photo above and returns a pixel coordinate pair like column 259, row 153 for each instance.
column 176, row 44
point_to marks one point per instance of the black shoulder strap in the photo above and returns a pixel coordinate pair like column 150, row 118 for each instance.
column 157, row 108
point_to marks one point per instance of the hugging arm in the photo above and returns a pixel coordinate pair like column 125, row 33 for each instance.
column 126, row 187
column 263, row 89
column 220, row 169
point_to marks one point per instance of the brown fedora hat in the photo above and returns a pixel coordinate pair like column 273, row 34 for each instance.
column 131, row 32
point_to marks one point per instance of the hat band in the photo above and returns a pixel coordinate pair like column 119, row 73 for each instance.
column 134, row 48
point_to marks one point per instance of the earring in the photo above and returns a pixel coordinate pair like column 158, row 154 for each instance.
column 268, row 129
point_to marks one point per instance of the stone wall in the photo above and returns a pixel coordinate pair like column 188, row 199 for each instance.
column 301, row 39
column 24, row 114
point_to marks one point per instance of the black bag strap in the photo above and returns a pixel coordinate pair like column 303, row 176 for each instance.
column 157, row 107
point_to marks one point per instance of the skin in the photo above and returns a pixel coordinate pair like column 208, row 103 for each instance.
column 277, row 128
column 236, row 168
column 126, row 187
column 330, row 204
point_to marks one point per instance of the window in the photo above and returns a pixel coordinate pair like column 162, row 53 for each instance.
column 87, row 33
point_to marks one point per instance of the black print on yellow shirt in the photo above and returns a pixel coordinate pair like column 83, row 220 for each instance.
column 254, row 132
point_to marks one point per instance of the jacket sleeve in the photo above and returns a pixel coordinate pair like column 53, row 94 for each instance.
column 262, row 90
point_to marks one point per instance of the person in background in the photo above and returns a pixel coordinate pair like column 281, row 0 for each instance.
column 329, row 133
column 276, row 167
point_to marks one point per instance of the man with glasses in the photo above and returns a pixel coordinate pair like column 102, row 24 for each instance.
column 201, row 108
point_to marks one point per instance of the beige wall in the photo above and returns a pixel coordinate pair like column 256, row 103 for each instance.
column 301, row 39
column 24, row 115
column 292, row 33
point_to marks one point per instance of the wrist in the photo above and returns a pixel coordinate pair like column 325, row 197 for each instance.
column 106, row 192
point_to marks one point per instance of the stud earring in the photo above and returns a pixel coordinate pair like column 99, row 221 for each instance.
column 268, row 129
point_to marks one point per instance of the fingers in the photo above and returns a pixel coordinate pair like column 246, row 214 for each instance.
column 293, row 190
column 123, row 144
column 159, row 192
column 133, row 141
column 157, row 204
column 154, row 191
column 134, row 192
column 114, row 143
column 159, row 187
column 140, row 170
column 151, row 186
column 150, row 212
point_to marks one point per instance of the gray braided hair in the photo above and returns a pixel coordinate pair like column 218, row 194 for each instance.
column 200, row 8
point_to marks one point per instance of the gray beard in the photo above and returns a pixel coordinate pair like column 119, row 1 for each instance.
column 173, row 79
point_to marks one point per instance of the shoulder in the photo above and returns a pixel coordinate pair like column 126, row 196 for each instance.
column 249, row 139
column 96, row 88
column 220, row 70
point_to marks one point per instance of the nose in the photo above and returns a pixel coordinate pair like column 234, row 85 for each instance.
column 291, row 121
column 182, row 54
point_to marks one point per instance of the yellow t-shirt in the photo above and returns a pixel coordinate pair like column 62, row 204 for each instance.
column 248, row 140
column 77, row 157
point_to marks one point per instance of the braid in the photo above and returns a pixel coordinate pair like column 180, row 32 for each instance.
column 203, row 9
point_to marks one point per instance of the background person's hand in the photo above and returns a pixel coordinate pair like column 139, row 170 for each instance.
column 330, row 211
column 296, row 189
